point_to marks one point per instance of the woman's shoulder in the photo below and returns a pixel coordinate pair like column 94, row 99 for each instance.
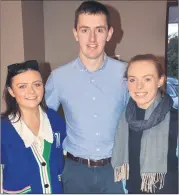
column 174, row 114
column 7, row 132
column 53, row 113
column 4, row 121
column 174, row 121
column 55, row 117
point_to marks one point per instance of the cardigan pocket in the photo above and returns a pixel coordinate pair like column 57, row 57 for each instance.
column 22, row 191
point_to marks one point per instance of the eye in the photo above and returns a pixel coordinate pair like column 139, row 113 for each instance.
column 84, row 30
column 131, row 80
column 22, row 86
column 100, row 30
column 38, row 84
column 148, row 79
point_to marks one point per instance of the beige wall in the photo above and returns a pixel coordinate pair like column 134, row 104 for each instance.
column 43, row 31
column 22, row 34
column 12, row 46
column 33, row 29
column 60, row 46
column 142, row 23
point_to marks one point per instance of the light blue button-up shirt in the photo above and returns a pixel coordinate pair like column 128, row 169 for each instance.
column 92, row 103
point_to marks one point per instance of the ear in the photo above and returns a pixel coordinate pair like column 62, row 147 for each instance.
column 161, row 81
column 75, row 34
column 11, row 92
column 110, row 33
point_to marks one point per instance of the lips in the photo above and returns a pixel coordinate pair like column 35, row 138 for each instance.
column 31, row 98
column 92, row 46
column 140, row 94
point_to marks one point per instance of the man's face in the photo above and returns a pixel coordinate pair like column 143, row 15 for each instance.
column 92, row 33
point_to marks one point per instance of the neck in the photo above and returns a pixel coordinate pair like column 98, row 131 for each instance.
column 30, row 114
column 31, row 117
column 92, row 64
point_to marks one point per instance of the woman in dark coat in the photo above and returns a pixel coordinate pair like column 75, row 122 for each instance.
column 144, row 152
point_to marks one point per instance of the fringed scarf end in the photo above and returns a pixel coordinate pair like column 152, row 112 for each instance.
column 150, row 179
column 121, row 172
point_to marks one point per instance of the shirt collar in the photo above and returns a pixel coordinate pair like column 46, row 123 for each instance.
column 83, row 68
column 26, row 134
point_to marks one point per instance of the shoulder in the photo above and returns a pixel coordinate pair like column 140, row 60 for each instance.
column 5, row 122
column 117, row 63
column 64, row 68
column 60, row 76
column 7, row 131
column 54, row 118
column 116, row 67
column 174, row 115
column 174, row 121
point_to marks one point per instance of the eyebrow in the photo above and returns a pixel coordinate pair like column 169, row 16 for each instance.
column 27, row 83
column 142, row 76
column 95, row 27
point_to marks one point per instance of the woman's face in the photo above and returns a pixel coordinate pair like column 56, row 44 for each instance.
column 27, row 88
column 143, row 82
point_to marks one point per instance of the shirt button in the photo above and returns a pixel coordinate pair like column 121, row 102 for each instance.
column 94, row 98
column 95, row 116
column 46, row 185
column 97, row 133
column 43, row 163
column 97, row 149
column 92, row 80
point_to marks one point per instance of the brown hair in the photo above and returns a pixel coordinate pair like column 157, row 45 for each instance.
column 12, row 107
column 156, row 62
column 92, row 7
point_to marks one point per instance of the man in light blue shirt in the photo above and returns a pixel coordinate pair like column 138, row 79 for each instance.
column 93, row 93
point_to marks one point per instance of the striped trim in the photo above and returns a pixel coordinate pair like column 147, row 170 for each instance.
column 43, row 170
column 46, row 155
column 23, row 191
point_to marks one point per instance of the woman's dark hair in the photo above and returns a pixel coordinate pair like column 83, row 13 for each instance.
column 156, row 62
column 12, row 107
column 92, row 7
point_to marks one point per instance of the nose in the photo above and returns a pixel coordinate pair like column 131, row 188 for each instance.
column 92, row 36
column 140, row 85
column 30, row 90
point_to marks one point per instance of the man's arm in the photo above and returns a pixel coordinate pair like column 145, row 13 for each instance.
column 126, row 94
column 51, row 93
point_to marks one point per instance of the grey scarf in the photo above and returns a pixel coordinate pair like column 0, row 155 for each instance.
column 154, row 143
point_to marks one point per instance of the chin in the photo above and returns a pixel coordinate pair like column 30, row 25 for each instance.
column 31, row 106
column 93, row 56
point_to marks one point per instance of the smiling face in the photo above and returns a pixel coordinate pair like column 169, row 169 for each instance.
column 143, row 82
column 27, row 88
column 92, row 33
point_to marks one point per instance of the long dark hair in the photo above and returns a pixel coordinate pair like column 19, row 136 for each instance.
column 12, row 107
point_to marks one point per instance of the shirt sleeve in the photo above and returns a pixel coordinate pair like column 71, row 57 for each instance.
column 126, row 94
column 51, row 93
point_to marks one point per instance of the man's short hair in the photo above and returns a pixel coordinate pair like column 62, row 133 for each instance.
column 92, row 7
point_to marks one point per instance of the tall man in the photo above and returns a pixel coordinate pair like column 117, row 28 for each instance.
column 93, row 93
